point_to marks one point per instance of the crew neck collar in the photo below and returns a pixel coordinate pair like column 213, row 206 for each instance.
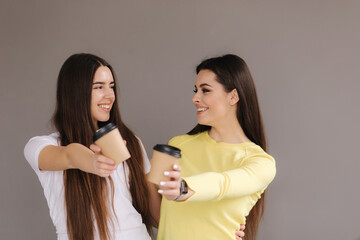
column 211, row 140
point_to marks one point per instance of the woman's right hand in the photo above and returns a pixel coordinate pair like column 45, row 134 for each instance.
column 102, row 166
column 171, row 189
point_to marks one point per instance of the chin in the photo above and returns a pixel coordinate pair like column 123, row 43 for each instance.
column 103, row 119
column 204, row 123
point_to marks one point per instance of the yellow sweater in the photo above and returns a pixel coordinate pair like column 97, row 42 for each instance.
column 228, row 179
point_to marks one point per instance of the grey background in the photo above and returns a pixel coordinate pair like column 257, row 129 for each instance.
column 304, row 57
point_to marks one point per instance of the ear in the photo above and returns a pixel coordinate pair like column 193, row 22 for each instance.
column 234, row 97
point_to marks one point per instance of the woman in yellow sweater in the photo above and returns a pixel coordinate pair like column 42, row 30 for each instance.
column 224, row 166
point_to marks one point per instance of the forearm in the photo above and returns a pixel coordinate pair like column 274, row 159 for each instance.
column 155, row 203
column 57, row 158
column 250, row 178
column 80, row 157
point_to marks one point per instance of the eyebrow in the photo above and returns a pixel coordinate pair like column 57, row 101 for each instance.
column 204, row 85
column 103, row 83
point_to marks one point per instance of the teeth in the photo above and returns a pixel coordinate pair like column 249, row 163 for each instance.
column 105, row 106
column 201, row 109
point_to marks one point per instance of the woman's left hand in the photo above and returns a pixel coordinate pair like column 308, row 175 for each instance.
column 171, row 189
column 239, row 234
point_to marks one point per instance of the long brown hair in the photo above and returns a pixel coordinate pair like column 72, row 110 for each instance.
column 233, row 73
column 87, row 196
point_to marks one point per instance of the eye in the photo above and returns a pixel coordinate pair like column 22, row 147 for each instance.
column 195, row 90
column 97, row 87
column 204, row 90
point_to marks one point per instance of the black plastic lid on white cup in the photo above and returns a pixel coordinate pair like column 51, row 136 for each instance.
column 104, row 130
column 170, row 150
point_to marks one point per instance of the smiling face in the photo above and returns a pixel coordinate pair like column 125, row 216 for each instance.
column 102, row 95
column 214, row 105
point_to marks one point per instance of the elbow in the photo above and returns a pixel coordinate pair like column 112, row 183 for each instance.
column 267, row 174
column 271, row 173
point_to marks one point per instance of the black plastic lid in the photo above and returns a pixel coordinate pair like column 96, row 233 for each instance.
column 104, row 130
column 170, row 150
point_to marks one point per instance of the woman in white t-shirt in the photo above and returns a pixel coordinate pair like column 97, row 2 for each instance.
column 88, row 196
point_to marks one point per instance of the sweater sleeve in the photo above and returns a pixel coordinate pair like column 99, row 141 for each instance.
column 34, row 146
column 255, row 174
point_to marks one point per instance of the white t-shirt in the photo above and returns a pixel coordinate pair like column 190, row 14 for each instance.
column 129, row 224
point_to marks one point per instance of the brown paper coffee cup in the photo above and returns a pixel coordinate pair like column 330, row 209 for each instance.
column 111, row 143
column 164, row 157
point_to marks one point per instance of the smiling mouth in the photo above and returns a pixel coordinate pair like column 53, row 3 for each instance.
column 105, row 107
column 200, row 110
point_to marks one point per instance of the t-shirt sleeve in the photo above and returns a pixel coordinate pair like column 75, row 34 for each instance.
column 33, row 148
column 252, row 177
column 145, row 158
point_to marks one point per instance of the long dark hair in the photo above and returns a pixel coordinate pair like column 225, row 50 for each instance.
column 233, row 73
column 87, row 196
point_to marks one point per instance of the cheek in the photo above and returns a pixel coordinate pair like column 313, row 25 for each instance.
column 212, row 101
column 94, row 100
column 219, row 105
column 95, row 97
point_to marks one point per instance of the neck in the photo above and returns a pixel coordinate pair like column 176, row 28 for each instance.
column 230, row 132
column 96, row 124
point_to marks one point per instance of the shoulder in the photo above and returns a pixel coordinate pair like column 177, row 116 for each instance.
column 177, row 141
column 142, row 148
column 255, row 151
column 34, row 146
column 141, row 145
column 51, row 138
column 145, row 156
column 253, row 148
column 140, row 142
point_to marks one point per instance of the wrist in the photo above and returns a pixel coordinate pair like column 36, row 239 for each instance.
column 77, row 156
column 183, row 191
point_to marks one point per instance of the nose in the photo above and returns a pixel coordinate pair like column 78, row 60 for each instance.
column 109, row 93
column 195, row 98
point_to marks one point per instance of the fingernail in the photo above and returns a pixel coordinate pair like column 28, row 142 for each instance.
column 160, row 191
column 162, row 183
column 176, row 166
column 166, row 173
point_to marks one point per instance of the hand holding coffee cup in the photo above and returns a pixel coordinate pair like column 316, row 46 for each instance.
column 102, row 166
column 112, row 145
column 171, row 189
column 163, row 160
